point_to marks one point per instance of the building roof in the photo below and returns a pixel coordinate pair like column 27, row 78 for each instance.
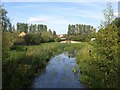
column 22, row 34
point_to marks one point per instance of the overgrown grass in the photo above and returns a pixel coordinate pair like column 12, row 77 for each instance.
column 25, row 62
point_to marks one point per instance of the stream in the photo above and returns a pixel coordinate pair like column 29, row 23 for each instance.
column 59, row 73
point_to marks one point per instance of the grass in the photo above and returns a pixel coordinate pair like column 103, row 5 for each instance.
column 26, row 62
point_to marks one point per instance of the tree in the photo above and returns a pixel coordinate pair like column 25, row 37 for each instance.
column 54, row 33
column 18, row 27
column 26, row 28
column 108, row 14
column 13, row 28
column 45, row 27
column 22, row 27
column 31, row 28
column 81, row 32
column 77, row 28
column 107, row 50
column 38, row 28
column 34, row 28
column 50, row 31
column 10, row 27
column 69, row 29
column 4, row 20
column 41, row 27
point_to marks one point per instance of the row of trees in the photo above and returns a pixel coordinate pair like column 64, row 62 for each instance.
column 31, row 28
column 23, row 27
column 35, row 34
column 20, row 27
column 79, row 29
column 81, row 32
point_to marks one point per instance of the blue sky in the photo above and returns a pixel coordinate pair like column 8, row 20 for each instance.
column 57, row 15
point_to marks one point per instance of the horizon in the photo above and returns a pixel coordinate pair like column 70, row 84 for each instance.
column 58, row 15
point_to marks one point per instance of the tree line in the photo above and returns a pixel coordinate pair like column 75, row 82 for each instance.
column 81, row 32
column 31, row 28
column 27, row 28
column 35, row 33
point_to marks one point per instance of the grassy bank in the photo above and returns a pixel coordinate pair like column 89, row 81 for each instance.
column 95, row 70
column 22, row 64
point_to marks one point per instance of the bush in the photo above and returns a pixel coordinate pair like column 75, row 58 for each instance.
column 33, row 38
column 100, row 68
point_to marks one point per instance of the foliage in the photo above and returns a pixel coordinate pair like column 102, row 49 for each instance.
column 32, row 28
column 33, row 39
column 22, row 27
column 24, row 63
column 98, row 61
column 108, row 14
column 107, row 50
column 4, row 20
column 8, row 40
column 54, row 33
column 36, row 38
column 81, row 32
column 47, row 37
column 99, row 64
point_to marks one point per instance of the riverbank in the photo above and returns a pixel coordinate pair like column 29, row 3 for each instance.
column 26, row 62
column 23, row 64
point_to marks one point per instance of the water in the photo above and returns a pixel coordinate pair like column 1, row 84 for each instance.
column 59, row 74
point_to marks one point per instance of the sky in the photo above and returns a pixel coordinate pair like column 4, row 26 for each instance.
column 58, row 15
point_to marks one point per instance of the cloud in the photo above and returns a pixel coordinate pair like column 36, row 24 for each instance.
column 116, row 14
column 37, row 20
column 96, row 15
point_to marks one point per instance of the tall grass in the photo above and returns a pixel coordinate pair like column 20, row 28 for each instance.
column 26, row 62
column 22, row 65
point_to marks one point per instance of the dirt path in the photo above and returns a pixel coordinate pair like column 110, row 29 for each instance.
column 70, row 42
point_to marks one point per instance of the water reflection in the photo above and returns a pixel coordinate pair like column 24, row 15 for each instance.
column 59, row 74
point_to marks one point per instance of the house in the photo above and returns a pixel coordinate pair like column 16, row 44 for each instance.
column 22, row 34
column 60, row 36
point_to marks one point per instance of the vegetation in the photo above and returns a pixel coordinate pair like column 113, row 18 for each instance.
column 100, row 66
column 80, row 32
column 23, row 58
column 28, row 61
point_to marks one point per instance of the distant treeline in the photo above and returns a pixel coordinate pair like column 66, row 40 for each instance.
column 79, row 29
column 81, row 32
column 31, row 28
column 24, row 27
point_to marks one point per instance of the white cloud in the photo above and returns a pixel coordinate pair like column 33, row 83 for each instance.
column 116, row 14
column 37, row 20
column 89, row 14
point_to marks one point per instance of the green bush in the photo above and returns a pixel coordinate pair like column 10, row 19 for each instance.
column 100, row 68
column 21, row 66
